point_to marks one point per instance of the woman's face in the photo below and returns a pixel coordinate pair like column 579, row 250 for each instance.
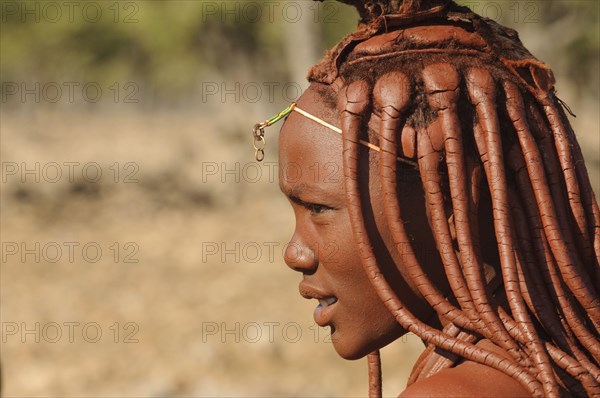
column 323, row 247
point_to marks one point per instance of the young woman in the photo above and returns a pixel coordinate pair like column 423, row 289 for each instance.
column 457, row 201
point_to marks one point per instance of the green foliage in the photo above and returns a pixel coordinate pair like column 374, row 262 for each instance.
column 168, row 46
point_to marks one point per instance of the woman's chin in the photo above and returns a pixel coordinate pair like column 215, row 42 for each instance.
column 349, row 353
column 352, row 347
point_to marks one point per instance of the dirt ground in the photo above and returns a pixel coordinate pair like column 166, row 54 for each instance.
column 163, row 276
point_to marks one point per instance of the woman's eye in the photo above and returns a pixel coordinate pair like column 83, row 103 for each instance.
column 315, row 208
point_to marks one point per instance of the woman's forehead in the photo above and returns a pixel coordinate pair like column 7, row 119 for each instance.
column 302, row 140
column 310, row 156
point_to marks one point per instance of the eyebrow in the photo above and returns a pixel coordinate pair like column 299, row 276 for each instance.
column 292, row 193
column 297, row 200
column 295, row 193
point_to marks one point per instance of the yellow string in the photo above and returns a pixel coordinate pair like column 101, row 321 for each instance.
column 339, row 131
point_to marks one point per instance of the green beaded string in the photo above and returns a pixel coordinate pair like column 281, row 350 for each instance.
column 258, row 132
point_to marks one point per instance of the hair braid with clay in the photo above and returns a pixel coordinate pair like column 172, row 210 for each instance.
column 460, row 94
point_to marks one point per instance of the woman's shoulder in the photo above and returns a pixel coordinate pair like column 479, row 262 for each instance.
column 468, row 379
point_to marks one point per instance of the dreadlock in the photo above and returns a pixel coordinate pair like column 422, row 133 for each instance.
column 461, row 96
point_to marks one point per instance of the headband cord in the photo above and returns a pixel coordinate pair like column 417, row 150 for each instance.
column 258, row 132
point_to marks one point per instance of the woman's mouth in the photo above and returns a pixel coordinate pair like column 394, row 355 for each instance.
column 327, row 301
column 324, row 311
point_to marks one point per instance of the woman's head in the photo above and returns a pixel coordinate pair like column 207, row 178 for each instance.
column 500, row 191
column 323, row 247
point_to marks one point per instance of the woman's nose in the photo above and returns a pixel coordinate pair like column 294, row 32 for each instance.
column 300, row 257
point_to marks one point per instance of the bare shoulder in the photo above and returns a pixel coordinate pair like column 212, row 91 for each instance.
column 467, row 380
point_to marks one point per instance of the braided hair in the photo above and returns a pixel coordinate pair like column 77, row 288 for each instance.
column 460, row 95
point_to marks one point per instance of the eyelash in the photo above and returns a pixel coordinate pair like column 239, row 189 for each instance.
column 315, row 208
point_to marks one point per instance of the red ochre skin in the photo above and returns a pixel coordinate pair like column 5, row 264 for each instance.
column 323, row 249
column 468, row 379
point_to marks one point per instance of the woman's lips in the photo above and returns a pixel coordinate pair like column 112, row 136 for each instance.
column 324, row 311
column 327, row 301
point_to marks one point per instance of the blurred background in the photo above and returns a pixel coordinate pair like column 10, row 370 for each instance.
column 141, row 244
